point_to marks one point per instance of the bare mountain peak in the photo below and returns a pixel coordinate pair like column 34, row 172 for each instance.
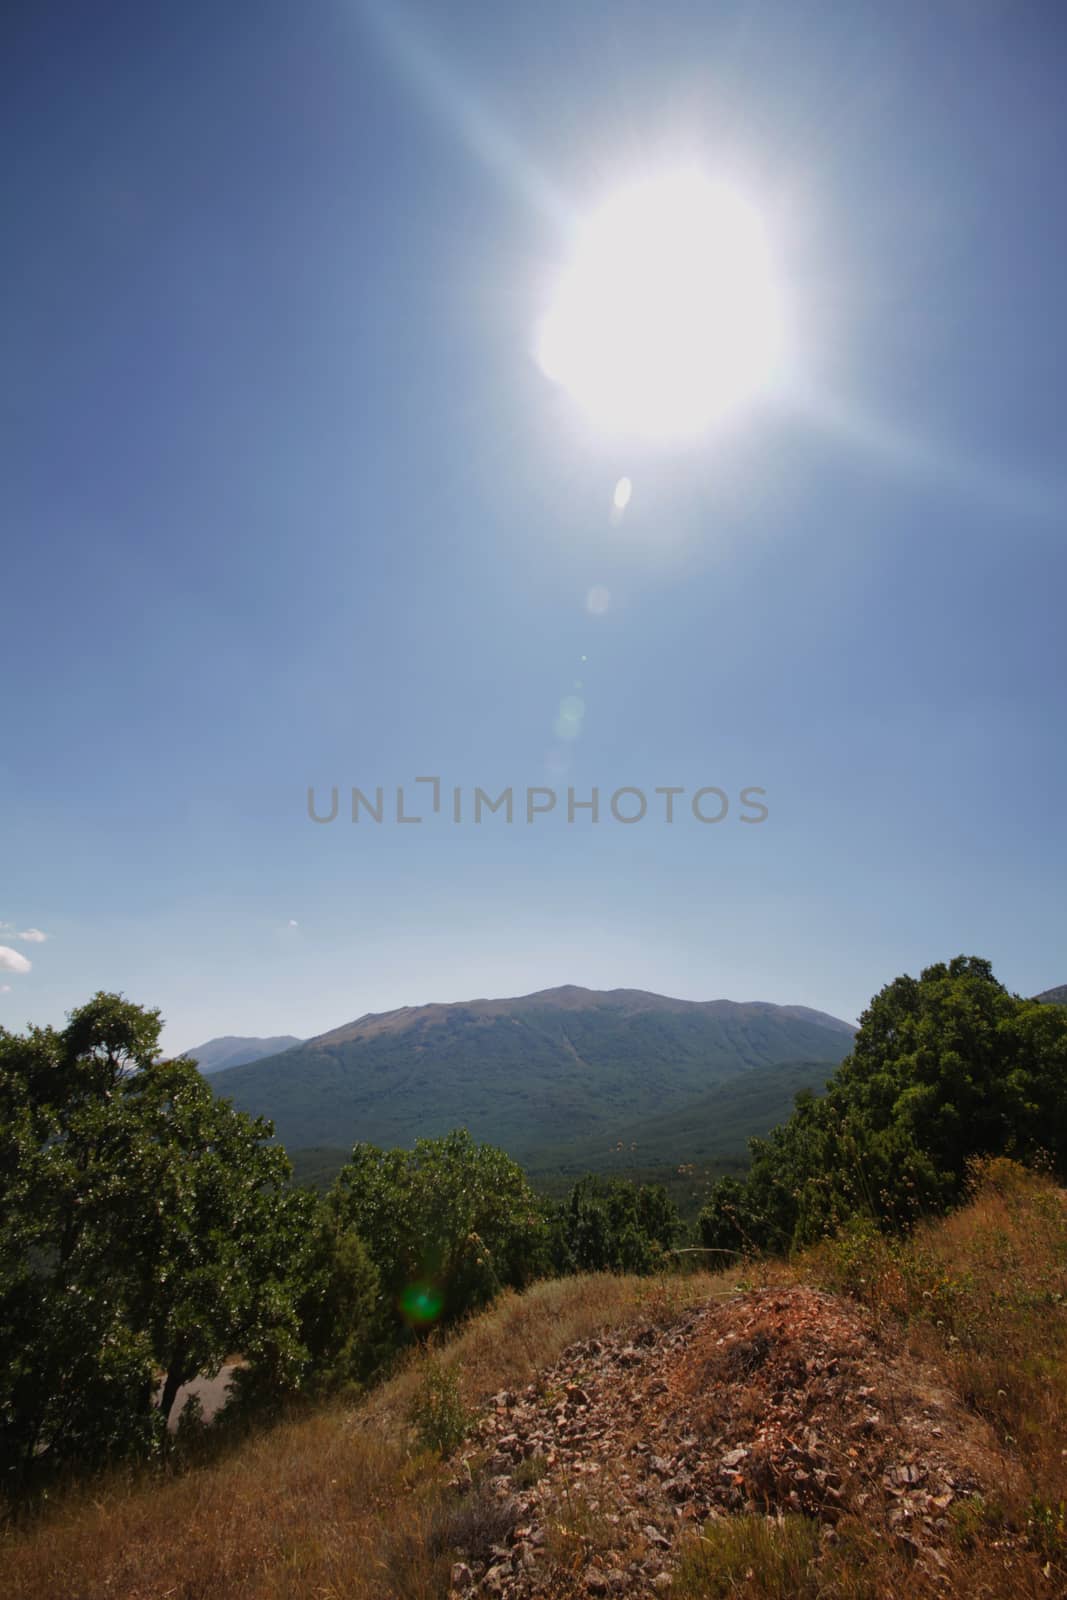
column 569, row 997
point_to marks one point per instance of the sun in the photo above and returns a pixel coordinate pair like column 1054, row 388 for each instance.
column 667, row 316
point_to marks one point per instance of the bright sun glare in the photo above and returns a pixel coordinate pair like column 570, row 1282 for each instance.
column 667, row 316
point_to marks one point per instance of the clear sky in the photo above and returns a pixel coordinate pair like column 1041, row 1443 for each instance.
column 288, row 501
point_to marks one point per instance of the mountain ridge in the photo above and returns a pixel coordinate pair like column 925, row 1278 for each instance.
column 237, row 1050
column 564, row 997
column 522, row 1072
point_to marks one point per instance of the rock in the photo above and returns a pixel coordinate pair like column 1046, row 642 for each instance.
column 704, row 1431
column 462, row 1577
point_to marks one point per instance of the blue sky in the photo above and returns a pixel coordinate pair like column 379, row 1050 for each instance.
column 288, row 502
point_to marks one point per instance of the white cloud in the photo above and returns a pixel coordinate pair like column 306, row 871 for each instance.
column 5, row 988
column 293, row 923
column 11, row 961
column 32, row 936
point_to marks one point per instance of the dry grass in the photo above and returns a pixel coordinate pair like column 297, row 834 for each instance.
column 761, row 1557
column 985, row 1292
column 341, row 1505
column 982, row 1296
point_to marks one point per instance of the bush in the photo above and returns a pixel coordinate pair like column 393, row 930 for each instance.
column 440, row 1418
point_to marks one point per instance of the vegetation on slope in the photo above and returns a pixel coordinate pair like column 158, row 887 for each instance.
column 709, row 1130
column 152, row 1232
column 944, row 1068
column 349, row 1502
column 520, row 1074
column 681, row 1150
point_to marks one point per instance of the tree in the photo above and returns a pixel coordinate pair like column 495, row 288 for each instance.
column 612, row 1225
column 75, row 1379
column 943, row 1068
column 149, row 1228
column 208, row 1223
column 447, row 1224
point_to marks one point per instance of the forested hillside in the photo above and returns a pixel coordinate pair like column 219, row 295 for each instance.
column 525, row 1073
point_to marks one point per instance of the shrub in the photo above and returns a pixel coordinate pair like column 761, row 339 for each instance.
column 440, row 1418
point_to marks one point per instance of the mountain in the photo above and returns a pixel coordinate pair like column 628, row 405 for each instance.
column 707, row 1131
column 522, row 1073
column 1054, row 997
column 233, row 1051
column 710, row 1135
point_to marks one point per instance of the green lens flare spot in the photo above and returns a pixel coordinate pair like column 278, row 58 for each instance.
column 420, row 1304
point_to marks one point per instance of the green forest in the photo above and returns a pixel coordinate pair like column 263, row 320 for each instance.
column 152, row 1232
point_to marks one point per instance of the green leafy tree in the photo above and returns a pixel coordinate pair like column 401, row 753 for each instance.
column 447, row 1225
column 76, row 1380
column 149, row 1231
column 612, row 1225
column 208, row 1226
column 944, row 1068
column 329, row 1337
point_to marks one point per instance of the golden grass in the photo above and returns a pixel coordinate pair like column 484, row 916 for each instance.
column 983, row 1291
column 982, row 1296
column 336, row 1506
column 342, row 1505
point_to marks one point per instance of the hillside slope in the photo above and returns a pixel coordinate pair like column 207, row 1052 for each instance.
column 236, row 1050
column 909, row 1444
column 521, row 1073
column 681, row 1149
column 714, row 1128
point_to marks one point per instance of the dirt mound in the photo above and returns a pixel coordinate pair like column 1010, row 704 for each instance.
column 779, row 1400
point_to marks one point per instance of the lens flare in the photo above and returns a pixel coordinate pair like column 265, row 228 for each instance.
column 420, row 1304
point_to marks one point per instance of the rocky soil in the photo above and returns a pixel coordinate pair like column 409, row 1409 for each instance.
column 778, row 1400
